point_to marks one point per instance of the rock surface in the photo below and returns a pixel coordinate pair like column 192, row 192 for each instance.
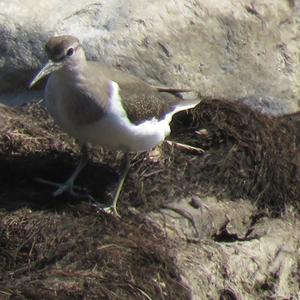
column 241, row 256
column 231, row 49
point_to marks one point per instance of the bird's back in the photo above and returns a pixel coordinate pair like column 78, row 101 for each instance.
column 140, row 100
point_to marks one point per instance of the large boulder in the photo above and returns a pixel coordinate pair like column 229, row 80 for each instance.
column 221, row 48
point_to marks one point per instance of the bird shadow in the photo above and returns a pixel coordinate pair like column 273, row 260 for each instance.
column 19, row 187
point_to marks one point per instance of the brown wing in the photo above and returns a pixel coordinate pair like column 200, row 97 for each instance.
column 140, row 100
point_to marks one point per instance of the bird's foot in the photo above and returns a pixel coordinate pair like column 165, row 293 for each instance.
column 111, row 209
column 68, row 187
column 80, row 192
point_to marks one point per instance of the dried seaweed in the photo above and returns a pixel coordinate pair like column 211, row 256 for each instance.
column 61, row 248
column 85, row 255
column 248, row 154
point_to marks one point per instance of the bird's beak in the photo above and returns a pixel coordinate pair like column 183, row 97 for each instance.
column 47, row 69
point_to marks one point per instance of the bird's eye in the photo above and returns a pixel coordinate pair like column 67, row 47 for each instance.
column 70, row 51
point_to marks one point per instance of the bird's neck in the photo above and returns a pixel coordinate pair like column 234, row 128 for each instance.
column 73, row 71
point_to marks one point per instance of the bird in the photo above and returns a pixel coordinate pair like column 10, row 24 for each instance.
column 101, row 105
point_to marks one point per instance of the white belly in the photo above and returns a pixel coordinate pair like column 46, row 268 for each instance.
column 118, row 133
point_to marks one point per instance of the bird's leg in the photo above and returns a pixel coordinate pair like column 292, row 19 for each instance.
column 68, row 186
column 125, row 166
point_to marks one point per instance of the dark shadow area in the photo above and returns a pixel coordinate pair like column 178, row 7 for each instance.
column 19, row 187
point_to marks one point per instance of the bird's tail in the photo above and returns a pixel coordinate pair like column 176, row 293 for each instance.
column 189, row 98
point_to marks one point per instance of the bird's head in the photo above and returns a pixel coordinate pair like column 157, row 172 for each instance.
column 62, row 51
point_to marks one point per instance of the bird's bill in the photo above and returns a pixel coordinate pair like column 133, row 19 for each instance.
column 47, row 69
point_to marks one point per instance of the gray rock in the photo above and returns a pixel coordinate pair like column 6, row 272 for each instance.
column 223, row 249
column 20, row 98
column 269, row 105
column 222, row 49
